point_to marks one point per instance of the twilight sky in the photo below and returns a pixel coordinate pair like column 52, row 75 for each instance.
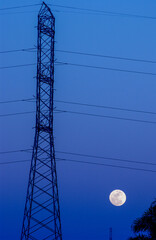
column 84, row 189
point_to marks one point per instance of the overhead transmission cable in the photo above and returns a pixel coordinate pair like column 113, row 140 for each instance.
column 81, row 104
column 16, row 7
column 86, row 66
column 17, row 66
column 85, row 162
column 18, row 50
column 16, row 113
column 105, row 12
column 18, row 100
column 104, row 106
column 31, row 50
column 82, row 113
column 106, row 165
column 105, row 68
column 88, row 10
column 16, row 151
column 29, row 150
column 105, row 158
column 105, row 116
column 105, row 56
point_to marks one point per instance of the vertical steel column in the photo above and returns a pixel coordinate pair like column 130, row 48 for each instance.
column 110, row 234
column 42, row 212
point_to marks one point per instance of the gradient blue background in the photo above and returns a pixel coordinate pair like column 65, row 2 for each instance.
column 86, row 212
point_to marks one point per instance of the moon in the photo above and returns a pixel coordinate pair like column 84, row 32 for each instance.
column 117, row 197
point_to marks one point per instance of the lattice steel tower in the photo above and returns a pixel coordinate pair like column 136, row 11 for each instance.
column 110, row 234
column 42, row 212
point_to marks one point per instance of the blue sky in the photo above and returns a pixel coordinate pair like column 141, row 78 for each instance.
column 84, row 189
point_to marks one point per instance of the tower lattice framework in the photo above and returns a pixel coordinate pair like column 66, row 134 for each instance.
column 42, row 212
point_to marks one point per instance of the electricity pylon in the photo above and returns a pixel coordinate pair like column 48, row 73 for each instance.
column 110, row 234
column 42, row 212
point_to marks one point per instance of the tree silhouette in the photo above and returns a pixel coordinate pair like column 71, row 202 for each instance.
column 145, row 227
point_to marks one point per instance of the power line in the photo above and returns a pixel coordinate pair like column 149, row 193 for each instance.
column 24, row 6
column 105, row 12
column 86, row 66
column 107, row 107
column 18, row 100
column 85, row 155
column 106, row 68
column 88, row 10
column 56, row 11
column 106, row 56
column 82, row 104
column 82, row 113
column 85, row 162
column 18, row 50
column 105, row 116
column 12, row 162
column 16, row 151
column 83, row 53
column 14, row 114
column 17, row 66
column 106, row 165
column 106, row 158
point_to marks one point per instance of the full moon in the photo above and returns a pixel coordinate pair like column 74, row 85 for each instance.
column 117, row 197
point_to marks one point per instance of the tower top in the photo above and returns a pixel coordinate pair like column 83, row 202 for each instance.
column 45, row 10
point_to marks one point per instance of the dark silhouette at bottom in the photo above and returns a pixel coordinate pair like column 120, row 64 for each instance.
column 145, row 226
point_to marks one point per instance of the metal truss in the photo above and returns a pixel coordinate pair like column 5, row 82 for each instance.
column 42, row 212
